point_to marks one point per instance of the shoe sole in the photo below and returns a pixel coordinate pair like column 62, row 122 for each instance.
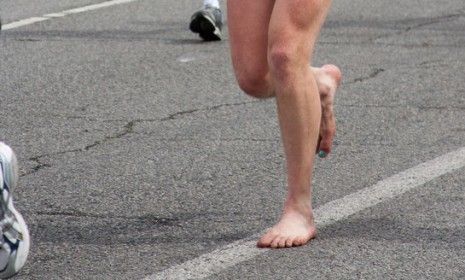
column 19, row 255
column 205, row 27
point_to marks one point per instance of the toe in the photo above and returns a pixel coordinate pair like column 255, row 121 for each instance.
column 289, row 242
column 302, row 240
column 266, row 240
column 326, row 144
column 297, row 242
column 282, row 242
column 275, row 243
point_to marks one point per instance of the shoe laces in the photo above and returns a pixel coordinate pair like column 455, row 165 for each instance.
column 7, row 228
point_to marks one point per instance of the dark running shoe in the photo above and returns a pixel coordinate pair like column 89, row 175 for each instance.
column 208, row 22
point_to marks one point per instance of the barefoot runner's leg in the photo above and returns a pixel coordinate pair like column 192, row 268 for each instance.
column 293, row 30
column 248, row 30
column 271, row 45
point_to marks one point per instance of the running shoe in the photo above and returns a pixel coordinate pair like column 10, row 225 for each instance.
column 208, row 22
column 14, row 239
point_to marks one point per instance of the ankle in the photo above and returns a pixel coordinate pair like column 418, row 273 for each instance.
column 301, row 204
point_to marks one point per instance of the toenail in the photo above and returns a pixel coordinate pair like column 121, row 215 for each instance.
column 322, row 154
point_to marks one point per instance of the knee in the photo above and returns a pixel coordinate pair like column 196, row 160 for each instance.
column 281, row 61
column 253, row 83
column 314, row 8
column 319, row 5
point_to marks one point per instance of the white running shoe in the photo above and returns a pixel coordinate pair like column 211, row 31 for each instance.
column 14, row 239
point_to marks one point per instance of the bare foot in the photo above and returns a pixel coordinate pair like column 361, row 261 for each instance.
column 295, row 228
column 328, row 79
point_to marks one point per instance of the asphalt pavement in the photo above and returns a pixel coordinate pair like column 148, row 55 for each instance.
column 138, row 151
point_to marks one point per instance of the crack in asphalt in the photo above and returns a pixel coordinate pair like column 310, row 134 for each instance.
column 372, row 75
column 39, row 165
column 78, row 214
column 219, row 139
column 128, row 128
column 375, row 72
column 178, row 217
column 418, row 107
column 428, row 21
column 434, row 20
column 404, row 45
column 212, row 108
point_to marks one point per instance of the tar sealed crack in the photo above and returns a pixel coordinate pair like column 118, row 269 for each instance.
column 435, row 20
column 423, row 22
column 39, row 165
column 181, row 113
column 207, row 109
column 127, row 129
column 372, row 75
column 152, row 219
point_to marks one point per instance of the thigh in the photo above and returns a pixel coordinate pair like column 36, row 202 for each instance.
column 248, row 23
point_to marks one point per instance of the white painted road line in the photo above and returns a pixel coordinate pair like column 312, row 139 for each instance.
column 23, row 22
column 92, row 7
column 330, row 213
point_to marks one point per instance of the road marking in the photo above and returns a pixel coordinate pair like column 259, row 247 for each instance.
column 23, row 22
column 330, row 213
column 92, row 7
column 189, row 57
